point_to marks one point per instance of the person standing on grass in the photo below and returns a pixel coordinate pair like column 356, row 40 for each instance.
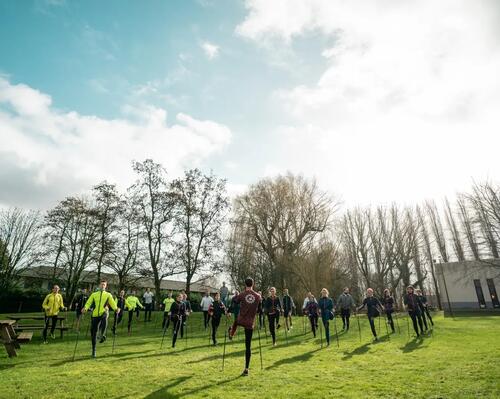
column 133, row 305
column 373, row 309
column 312, row 311
column 189, row 309
column 288, row 307
column 248, row 301
column 100, row 301
column 260, row 312
column 325, row 306
column 51, row 305
column 167, row 304
column 345, row 303
column 422, row 304
column 177, row 315
column 122, row 303
column 148, row 298
column 388, row 302
column 216, row 310
column 272, row 307
column 80, row 302
column 205, row 304
column 224, row 293
column 234, row 307
column 411, row 303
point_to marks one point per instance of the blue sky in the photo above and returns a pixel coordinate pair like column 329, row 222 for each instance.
column 361, row 98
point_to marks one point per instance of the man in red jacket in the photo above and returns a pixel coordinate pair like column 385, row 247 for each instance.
column 249, row 303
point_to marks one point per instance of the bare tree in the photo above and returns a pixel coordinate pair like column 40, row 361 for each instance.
column 156, row 206
column 437, row 229
column 455, row 234
column 20, row 239
column 73, row 230
column 468, row 227
column 107, row 208
column 201, row 210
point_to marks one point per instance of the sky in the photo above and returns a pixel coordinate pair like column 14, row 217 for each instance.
column 381, row 101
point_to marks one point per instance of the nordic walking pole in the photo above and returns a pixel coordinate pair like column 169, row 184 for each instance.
column 387, row 322
column 359, row 326
column 260, row 350
column 286, row 333
column 224, row 351
column 408, row 324
column 321, row 332
column 397, row 322
column 186, row 332
column 77, row 338
column 336, row 333
column 265, row 328
column 163, row 337
column 114, row 333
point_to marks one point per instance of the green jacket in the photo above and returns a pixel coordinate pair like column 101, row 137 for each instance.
column 133, row 302
column 52, row 304
column 168, row 303
column 101, row 301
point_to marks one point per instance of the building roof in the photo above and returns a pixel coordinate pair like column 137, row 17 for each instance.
column 90, row 277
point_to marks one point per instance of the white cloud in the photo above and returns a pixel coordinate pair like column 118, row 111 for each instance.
column 58, row 152
column 210, row 49
column 407, row 105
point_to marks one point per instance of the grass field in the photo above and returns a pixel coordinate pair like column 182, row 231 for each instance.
column 461, row 359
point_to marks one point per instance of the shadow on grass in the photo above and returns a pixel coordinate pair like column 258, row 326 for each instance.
column 299, row 358
column 104, row 356
column 413, row 345
column 164, row 394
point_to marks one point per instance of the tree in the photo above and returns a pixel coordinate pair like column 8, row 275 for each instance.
column 126, row 253
column 20, row 240
column 201, row 210
column 156, row 205
column 107, row 209
column 73, row 230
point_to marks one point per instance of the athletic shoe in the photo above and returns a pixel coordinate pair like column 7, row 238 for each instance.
column 278, row 327
column 94, row 355
column 53, row 336
column 229, row 334
column 274, row 343
column 45, row 342
column 103, row 338
column 245, row 373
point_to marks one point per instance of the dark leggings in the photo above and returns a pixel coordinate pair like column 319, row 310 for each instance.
column 52, row 327
column 273, row 320
column 261, row 320
column 346, row 314
column 416, row 316
column 215, row 326
column 206, row 318
column 248, row 346
column 326, row 324
column 313, row 319
column 390, row 320
column 372, row 325
column 178, row 325
column 426, row 309
column 166, row 320
column 130, row 317
column 98, row 323
column 147, row 313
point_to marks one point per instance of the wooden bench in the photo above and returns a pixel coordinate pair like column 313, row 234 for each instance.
column 9, row 337
column 24, row 337
column 37, row 327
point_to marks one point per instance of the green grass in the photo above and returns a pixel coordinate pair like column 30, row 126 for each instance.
column 461, row 359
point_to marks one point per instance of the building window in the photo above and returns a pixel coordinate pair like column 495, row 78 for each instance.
column 493, row 293
column 479, row 293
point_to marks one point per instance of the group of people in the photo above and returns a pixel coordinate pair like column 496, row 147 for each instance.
column 244, row 307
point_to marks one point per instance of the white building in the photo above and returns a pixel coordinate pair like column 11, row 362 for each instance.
column 469, row 286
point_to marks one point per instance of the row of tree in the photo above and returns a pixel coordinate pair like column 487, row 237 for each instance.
column 287, row 232
column 157, row 228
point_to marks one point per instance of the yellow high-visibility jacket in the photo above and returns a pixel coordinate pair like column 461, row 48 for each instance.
column 133, row 302
column 52, row 304
column 101, row 301
column 168, row 304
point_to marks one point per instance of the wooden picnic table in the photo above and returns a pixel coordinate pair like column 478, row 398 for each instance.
column 33, row 327
column 11, row 339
